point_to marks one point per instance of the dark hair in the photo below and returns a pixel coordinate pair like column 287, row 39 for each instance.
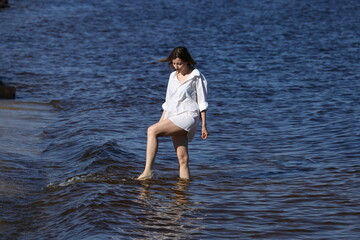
column 182, row 53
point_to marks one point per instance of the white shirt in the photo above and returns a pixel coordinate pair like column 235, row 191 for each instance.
column 189, row 96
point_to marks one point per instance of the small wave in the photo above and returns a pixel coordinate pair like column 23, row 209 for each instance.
column 108, row 153
column 26, row 74
column 88, row 178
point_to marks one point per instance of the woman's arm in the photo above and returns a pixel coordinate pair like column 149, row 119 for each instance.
column 204, row 131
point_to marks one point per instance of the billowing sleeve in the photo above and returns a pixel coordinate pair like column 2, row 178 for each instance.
column 165, row 105
column 201, row 92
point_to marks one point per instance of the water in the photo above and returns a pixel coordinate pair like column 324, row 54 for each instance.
column 282, row 160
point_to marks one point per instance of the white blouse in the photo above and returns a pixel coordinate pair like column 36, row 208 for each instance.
column 191, row 95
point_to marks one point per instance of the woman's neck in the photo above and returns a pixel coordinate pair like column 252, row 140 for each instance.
column 185, row 71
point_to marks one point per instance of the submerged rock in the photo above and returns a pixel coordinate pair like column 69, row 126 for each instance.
column 4, row 3
column 7, row 92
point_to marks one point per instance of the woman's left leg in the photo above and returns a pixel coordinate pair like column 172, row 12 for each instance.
column 181, row 148
column 162, row 128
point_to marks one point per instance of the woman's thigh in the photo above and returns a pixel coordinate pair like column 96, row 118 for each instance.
column 166, row 128
column 180, row 145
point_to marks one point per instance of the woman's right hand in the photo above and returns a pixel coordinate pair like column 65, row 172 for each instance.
column 204, row 132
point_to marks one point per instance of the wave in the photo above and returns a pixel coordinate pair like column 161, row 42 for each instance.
column 87, row 178
column 104, row 163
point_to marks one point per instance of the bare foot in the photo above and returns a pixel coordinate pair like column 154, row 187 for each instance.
column 145, row 176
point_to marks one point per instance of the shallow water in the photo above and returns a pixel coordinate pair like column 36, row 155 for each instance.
column 282, row 160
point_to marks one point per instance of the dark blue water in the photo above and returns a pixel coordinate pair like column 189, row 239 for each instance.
column 282, row 160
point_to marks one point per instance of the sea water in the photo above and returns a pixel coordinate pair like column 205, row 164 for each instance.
column 282, row 158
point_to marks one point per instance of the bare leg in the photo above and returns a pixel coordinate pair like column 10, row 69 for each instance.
column 181, row 148
column 163, row 128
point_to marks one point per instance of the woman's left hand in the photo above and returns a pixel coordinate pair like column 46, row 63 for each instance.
column 204, row 133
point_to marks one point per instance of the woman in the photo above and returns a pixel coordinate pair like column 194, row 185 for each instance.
column 184, row 108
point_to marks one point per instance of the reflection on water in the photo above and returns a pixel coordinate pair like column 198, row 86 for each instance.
column 168, row 211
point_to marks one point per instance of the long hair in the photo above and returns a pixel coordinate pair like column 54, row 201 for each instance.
column 182, row 53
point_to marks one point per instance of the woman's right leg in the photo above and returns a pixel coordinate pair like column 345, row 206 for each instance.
column 181, row 149
column 163, row 128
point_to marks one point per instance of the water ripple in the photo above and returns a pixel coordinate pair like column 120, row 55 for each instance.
column 282, row 158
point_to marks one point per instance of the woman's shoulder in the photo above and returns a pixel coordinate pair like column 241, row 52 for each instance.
column 172, row 74
column 196, row 73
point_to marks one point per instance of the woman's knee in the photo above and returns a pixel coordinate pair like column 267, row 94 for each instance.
column 152, row 130
column 183, row 158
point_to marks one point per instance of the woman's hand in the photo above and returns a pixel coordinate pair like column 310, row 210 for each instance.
column 204, row 132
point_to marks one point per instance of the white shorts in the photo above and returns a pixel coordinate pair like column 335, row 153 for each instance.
column 189, row 121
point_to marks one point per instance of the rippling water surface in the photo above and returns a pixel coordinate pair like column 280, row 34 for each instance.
column 282, row 160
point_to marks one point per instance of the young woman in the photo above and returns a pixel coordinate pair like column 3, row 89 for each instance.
column 185, row 107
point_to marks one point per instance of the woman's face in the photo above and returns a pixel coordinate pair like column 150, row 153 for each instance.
column 178, row 64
